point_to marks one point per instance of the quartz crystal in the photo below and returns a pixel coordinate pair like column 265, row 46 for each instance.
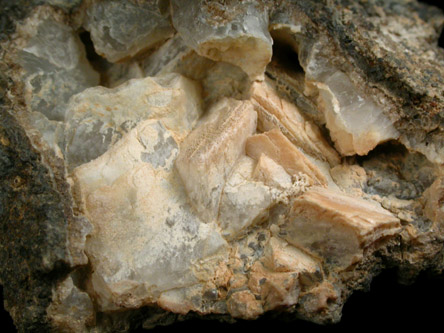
column 123, row 29
column 55, row 67
column 356, row 124
column 162, row 160
column 236, row 32
column 100, row 116
column 143, row 244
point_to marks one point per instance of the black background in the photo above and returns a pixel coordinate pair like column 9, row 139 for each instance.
column 388, row 305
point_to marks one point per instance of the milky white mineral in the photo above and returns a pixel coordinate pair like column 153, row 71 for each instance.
column 98, row 117
column 146, row 240
column 161, row 159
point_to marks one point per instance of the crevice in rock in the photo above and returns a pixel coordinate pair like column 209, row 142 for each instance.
column 393, row 170
column 100, row 64
column 286, row 58
column 80, row 277
column 389, row 147
column 285, row 63
column 288, row 75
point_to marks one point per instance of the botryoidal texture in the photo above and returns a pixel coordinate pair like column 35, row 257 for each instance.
column 161, row 160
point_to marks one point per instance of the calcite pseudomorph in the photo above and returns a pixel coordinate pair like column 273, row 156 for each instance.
column 168, row 159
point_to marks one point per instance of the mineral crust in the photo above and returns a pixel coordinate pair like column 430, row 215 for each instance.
column 163, row 160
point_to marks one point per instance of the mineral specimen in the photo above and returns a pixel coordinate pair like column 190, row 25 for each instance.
column 162, row 160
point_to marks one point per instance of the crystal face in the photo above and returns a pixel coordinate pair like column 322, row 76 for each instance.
column 223, row 158
column 123, row 29
column 237, row 34
column 356, row 123
column 99, row 117
column 56, row 68
column 157, row 236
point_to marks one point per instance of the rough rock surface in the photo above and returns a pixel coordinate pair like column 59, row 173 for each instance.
column 161, row 160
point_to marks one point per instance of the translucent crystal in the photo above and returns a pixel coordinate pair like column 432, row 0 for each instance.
column 98, row 117
column 218, row 79
column 238, row 35
column 356, row 123
column 146, row 239
column 55, row 67
column 123, row 29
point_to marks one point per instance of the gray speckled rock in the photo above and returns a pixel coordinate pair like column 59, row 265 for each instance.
column 267, row 157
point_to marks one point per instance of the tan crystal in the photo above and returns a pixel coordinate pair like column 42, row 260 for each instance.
column 277, row 147
column 275, row 112
column 271, row 173
column 279, row 277
column 336, row 226
column 211, row 150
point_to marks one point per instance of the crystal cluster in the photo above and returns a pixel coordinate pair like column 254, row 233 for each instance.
column 219, row 157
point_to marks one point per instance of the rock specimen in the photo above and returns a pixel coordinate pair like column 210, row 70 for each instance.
column 162, row 160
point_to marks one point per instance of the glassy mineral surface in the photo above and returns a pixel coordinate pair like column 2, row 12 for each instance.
column 163, row 160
